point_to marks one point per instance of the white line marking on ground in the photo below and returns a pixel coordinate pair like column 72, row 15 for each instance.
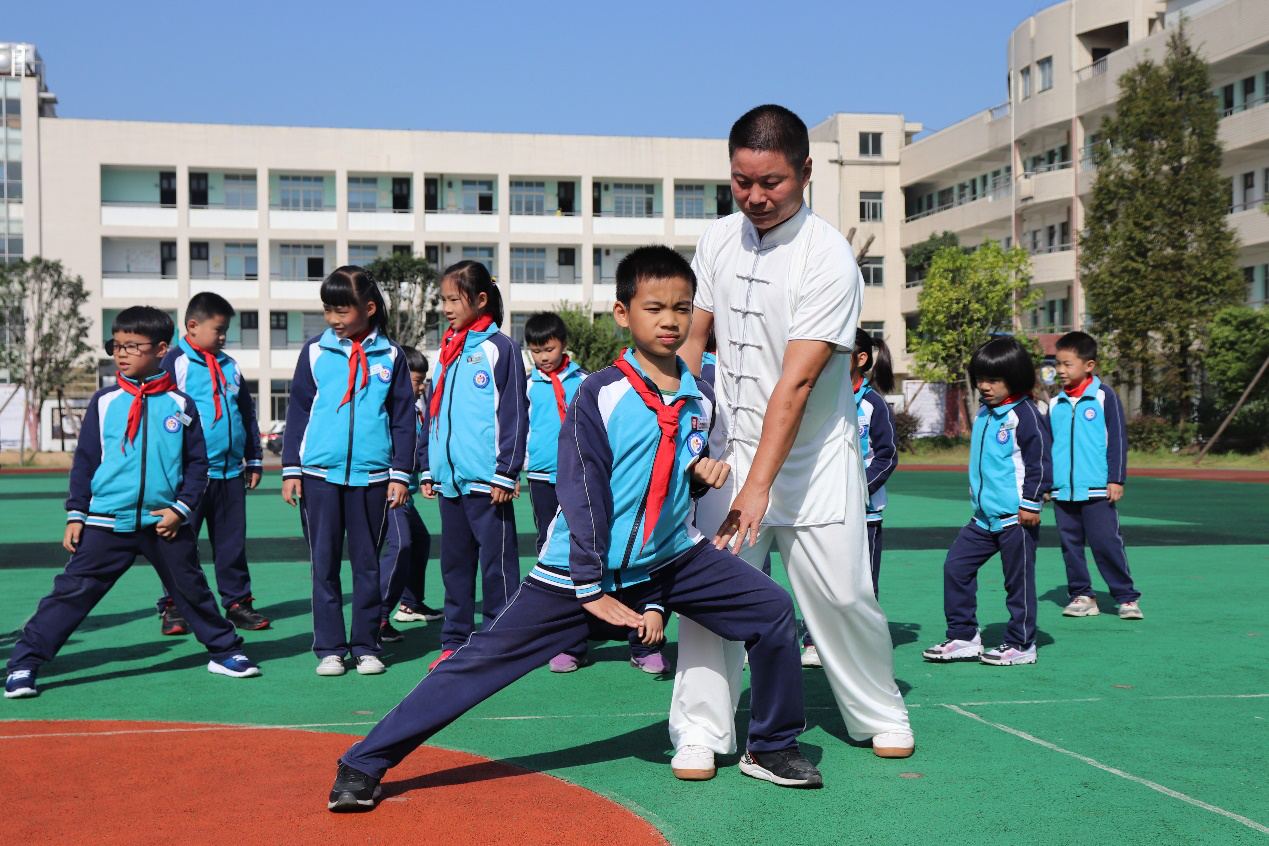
column 1166, row 791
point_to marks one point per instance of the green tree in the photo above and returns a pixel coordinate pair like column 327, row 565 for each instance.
column 1158, row 259
column 1237, row 346
column 968, row 297
column 594, row 341
column 46, row 332
column 920, row 255
column 411, row 286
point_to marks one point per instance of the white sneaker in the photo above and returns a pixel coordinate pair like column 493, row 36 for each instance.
column 955, row 650
column 1129, row 611
column 810, row 657
column 893, row 744
column 1007, row 656
column 369, row 665
column 693, row 763
column 1082, row 606
column 331, row 665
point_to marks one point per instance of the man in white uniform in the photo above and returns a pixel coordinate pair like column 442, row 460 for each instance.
column 781, row 290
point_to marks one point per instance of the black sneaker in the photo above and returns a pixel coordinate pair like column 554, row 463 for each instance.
column 244, row 616
column 387, row 634
column 171, row 622
column 353, row 790
column 787, row 768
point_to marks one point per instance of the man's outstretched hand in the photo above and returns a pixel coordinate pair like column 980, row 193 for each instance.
column 747, row 511
column 610, row 610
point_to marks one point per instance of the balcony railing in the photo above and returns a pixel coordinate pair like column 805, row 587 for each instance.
column 1050, row 167
column 640, row 215
column 225, row 277
column 380, row 210
column 914, row 283
column 1052, row 248
column 549, row 280
column 136, row 274
column 1250, row 104
column 996, row 192
column 1087, row 72
column 1247, row 204
column 997, row 112
column 460, row 211
column 555, row 213
column 223, row 206
column 280, row 207
column 137, row 204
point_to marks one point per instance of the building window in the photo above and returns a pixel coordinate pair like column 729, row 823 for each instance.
column 873, row 270
column 12, row 108
column 314, row 323
column 689, row 201
column 484, row 255
column 302, row 261
column 876, row 328
column 528, row 197
column 363, row 193
column 240, row 191
column 241, row 261
column 870, row 208
column 518, row 319
column 277, row 330
column 10, row 182
column 632, row 199
column 302, row 193
column 249, row 330
column 528, row 264
column 478, row 196
column 279, row 397
column 1044, row 69
column 1025, row 76
column 870, row 143
column 362, row 254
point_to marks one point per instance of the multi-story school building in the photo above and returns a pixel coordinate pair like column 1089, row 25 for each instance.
column 155, row 212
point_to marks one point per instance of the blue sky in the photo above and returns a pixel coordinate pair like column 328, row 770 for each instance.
column 611, row 68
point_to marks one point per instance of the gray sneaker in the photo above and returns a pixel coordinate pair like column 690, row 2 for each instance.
column 1082, row 606
column 1129, row 611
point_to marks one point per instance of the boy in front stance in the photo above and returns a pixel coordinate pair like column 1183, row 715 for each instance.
column 1090, row 461
column 631, row 455
column 139, row 472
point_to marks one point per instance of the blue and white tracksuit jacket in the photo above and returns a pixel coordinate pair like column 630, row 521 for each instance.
column 477, row 438
column 709, row 367
column 1090, row 443
column 370, row 439
column 1010, row 463
column 420, row 442
column 877, row 444
column 235, row 437
column 165, row 466
column 606, row 453
column 544, row 420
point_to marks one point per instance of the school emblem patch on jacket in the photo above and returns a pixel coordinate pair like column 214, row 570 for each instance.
column 1002, row 436
column 481, row 379
column 695, row 443
column 172, row 424
column 1090, row 413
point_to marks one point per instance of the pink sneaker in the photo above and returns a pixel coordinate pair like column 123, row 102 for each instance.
column 653, row 665
column 564, row 663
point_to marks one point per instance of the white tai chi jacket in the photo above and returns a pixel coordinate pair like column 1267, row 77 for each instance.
column 799, row 281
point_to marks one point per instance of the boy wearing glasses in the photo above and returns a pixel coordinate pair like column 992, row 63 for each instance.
column 139, row 471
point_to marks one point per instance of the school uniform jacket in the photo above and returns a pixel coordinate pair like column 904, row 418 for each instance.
column 1090, row 443
column 877, row 442
column 544, row 420
column 366, row 441
column 115, row 484
column 235, row 437
column 1010, row 463
column 606, row 453
column 709, row 367
column 477, row 438
column 420, row 441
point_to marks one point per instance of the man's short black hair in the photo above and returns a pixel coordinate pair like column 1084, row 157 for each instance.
column 771, row 128
column 654, row 262
column 415, row 360
column 542, row 327
column 146, row 321
column 206, row 305
column 1007, row 360
column 1082, row 344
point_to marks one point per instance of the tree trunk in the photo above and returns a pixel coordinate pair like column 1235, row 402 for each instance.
column 1183, row 387
column 32, row 427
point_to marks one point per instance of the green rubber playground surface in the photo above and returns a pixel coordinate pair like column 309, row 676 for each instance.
column 1151, row 732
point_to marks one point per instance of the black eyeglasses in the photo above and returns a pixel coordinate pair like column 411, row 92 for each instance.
column 130, row 349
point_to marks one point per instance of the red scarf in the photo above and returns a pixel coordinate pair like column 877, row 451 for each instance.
column 1012, row 398
column 1078, row 390
column 159, row 386
column 451, row 348
column 356, row 357
column 857, row 383
column 217, row 375
column 554, row 375
column 663, row 463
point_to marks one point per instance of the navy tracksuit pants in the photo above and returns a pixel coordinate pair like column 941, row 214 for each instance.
column 328, row 512
column 545, row 504
column 403, row 564
column 224, row 509
column 475, row 531
column 102, row 558
column 874, row 554
column 970, row 551
column 1095, row 522
column 713, row 587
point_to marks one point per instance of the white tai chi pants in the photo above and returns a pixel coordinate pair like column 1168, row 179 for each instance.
column 829, row 569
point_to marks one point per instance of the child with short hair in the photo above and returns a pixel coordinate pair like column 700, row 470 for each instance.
column 200, row 368
column 139, row 470
column 479, row 420
column 632, row 455
column 1010, row 470
column 407, row 544
column 1090, row 463
column 347, row 456
column 870, row 367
